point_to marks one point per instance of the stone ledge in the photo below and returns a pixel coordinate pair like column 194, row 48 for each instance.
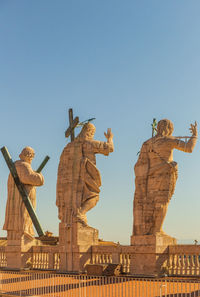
column 157, row 240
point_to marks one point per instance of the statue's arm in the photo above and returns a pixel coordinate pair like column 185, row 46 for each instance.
column 28, row 176
column 109, row 137
column 189, row 146
column 101, row 147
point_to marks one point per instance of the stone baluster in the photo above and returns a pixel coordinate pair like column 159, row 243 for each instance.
column 47, row 260
column 106, row 256
column 120, row 259
column 40, row 260
column 197, row 264
column 178, row 264
column 37, row 260
column 93, row 258
column 129, row 263
column 169, row 264
column 43, row 260
column 174, row 264
column 34, row 260
column 56, row 261
column 192, row 261
column 97, row 259
column 125, row 263
column 187, row 266
column 110, row 258
column 182, row 264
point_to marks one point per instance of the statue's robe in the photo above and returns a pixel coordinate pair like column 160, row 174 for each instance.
column 155, row 179
column 17, row 218
column 78, row 178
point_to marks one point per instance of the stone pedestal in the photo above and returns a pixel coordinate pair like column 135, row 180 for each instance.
column 17, row 251
column 87, row 236
column 150, row 253
column 75, row 243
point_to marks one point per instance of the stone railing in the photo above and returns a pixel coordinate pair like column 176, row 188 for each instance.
column 39, row 257
column 112, row 254
column 184, row 260
column 45, row 257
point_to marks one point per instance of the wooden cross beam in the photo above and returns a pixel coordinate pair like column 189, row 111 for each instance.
column 72, row 125
column 22, row 190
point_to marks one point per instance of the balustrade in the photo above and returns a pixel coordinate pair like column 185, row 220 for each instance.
column 3, row 259
column 184, row 260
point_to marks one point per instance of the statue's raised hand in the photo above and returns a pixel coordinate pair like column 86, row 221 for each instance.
column 193, row 129
column 109, row 134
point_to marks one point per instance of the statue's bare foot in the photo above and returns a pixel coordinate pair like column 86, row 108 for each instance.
column 160, row 232
column 82, row 218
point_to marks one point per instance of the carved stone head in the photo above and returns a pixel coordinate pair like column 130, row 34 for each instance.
column 87, row 131
column 27, row 154
column 165, row 128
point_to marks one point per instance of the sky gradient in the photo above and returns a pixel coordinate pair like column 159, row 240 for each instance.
column 122, row 62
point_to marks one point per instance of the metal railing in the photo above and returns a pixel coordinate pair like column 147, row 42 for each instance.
column 62, row 285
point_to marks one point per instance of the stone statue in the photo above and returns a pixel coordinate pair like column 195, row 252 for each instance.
column 17, row 219
column 155, row 177
column 78, row 178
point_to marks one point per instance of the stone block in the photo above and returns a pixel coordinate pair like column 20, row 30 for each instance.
column 150, row 253
column 87, row 237
column 103, row 269
column 95, row 269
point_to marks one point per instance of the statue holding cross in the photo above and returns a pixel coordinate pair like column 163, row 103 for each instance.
column 17, row 219
column 78, row 178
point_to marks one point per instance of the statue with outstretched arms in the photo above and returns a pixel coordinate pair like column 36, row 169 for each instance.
column 155, row 177
column 78, row 179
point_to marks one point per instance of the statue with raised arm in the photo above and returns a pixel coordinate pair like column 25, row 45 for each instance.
column 155, row 177
column 17, row 220
column 78, row 179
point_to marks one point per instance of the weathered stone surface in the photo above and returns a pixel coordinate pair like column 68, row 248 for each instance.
column 155, row 177
column 150, row 253
column 17, row 251
column 78, row 178
column 95, row 269
column 87, row 236
column 78, row 184
column 17, row 220
column 19, row 226
column 103, row 269
column 154, row 241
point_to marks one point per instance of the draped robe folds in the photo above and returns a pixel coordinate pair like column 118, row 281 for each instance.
column 17, row 218
column 78, row 178
column 155, row 179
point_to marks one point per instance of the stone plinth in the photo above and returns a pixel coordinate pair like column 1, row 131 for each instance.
column 75, row 244
column 87, row 236
column 150, row 253
column 17, row 251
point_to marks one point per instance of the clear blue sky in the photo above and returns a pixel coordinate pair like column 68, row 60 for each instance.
column 123, row 62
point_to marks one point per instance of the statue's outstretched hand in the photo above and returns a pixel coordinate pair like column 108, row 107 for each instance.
column 193, row 129
column 109, row 134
